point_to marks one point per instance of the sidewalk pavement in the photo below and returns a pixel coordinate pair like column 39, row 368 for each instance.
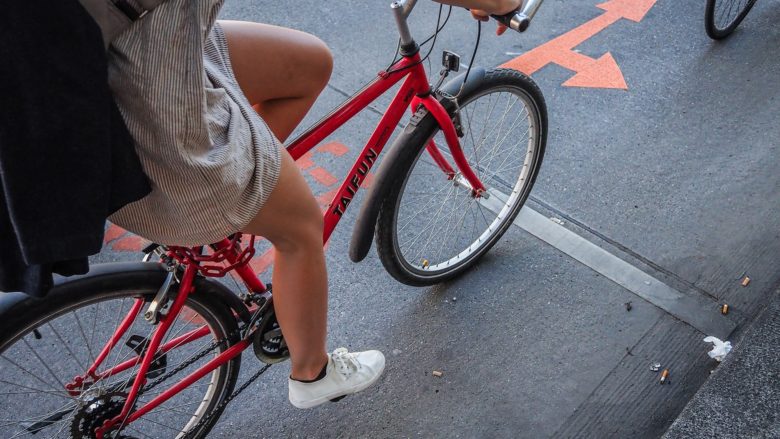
column 742, row 397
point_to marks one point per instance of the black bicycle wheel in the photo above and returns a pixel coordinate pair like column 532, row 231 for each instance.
column 721, row 17
column 45, row 343
column 430, row 227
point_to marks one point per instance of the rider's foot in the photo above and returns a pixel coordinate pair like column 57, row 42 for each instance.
column 345, row 373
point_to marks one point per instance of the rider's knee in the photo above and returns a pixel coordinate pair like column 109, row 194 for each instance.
column 303, row 231
column 320, row 62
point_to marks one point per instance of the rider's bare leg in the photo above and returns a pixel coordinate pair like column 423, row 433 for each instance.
column 282, row 71
column 291, row 219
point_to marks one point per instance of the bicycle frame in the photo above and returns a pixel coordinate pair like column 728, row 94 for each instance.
column 414, row 91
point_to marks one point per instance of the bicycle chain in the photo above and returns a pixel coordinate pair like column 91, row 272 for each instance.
column 218, row 409
column 215, row 344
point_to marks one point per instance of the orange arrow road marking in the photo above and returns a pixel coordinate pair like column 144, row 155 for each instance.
column 593, row 73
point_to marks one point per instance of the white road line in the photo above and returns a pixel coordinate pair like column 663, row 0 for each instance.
column 696, row 310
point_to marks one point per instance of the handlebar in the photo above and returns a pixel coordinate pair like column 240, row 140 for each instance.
column 520, row 19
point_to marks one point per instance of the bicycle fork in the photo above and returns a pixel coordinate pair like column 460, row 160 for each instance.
column 467, row 177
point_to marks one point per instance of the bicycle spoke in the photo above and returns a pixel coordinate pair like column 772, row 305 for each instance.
column 482, row 213
column 506, row 134
column 462, row 218
column 498, row 123
column 83, row 336
column 488, row 116
column 57, row 433
column 45, row 366
column 432, row 221
column 726, row 13
column 54, row 390
column 426, row 246
column 7, row 422
column 145, row 419
column 502, row 163
column 450, row 232
column 135, row 430
column 731, row 7
column 168, row 409
column 115, row 353
column 150, row 395
column 26, row 429
column 473, row 143
column 434, row 218
column 67, row 347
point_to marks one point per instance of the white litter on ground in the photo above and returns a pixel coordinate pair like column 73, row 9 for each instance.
column 720, row 349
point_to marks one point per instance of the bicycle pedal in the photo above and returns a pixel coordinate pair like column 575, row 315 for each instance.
column 337, row 399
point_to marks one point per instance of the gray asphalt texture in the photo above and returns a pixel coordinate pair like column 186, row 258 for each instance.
column 742, row 398
column 679, row 172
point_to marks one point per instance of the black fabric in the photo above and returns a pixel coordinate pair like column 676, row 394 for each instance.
column 323, row 374
column 67, row 160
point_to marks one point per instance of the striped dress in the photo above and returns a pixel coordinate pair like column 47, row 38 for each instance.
column 210, row 158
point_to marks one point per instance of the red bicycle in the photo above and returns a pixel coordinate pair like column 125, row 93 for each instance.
column 153, row 348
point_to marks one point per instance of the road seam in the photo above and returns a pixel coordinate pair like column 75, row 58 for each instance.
column 695, row 310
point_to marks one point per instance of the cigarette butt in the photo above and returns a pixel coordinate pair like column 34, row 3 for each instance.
column 425, row 263
column 437, row 374
column 724, row 309
column 745, row 281
column 664, row 375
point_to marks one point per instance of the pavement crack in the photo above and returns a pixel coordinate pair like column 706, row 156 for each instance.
column 626, row 250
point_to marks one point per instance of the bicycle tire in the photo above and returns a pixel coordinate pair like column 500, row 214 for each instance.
column 37, row 320
column 422, row 271
column 713, row 15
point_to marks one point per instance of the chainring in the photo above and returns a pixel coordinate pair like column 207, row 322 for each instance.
column 268, row 342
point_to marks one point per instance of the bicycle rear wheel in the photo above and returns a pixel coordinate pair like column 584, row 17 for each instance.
column 45, row 343
column 430, row 227
column 721, row 17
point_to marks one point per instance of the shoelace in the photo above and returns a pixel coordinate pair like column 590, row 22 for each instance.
column 345, row 362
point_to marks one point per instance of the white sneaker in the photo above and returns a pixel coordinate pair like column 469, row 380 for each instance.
column 345, row 373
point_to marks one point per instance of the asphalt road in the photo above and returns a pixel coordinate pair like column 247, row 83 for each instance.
column 676, row 175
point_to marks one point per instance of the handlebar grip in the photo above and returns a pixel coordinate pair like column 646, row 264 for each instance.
column 520, row 19
column 514, row 20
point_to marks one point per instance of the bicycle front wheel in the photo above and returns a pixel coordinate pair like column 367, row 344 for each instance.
column 45, row 343
column 430, row 227
column 721, row 17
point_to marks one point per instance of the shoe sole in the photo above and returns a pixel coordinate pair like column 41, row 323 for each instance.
column 351, row 390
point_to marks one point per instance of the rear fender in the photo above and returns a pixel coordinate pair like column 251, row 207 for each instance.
column 121, row 274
